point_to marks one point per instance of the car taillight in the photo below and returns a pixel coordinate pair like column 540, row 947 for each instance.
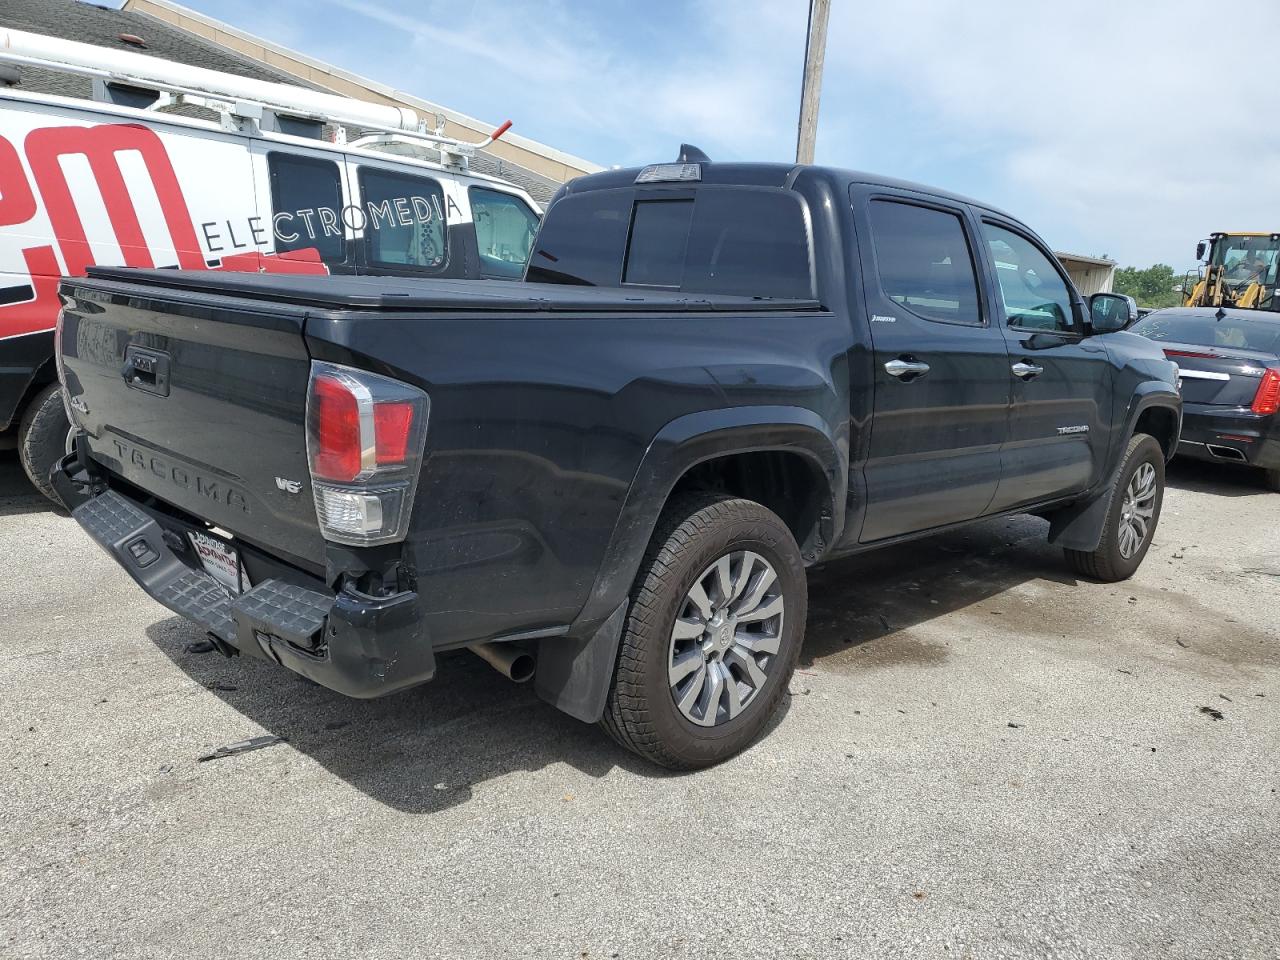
column 365, row 436
column 1267, row 399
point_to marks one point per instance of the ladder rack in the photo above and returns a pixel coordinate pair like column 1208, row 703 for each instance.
column 243, row 105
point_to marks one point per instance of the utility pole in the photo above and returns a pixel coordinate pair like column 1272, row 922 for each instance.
column 815, row 52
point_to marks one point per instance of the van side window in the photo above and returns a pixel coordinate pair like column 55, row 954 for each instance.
column 404, row 220
column 306, row 205
column 505, row 226
column 924, row 262
column 1035, row 295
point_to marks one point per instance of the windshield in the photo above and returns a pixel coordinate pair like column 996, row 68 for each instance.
column 1262, row 335
column 1246, row 259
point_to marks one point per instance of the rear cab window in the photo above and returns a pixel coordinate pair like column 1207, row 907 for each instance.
column 505, row 227
column 739, row 241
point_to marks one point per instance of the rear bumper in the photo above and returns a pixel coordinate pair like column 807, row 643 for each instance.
column 1230, row 435
column 358, row 645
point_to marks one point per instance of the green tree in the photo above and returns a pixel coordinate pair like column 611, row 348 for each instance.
column 1152, row 287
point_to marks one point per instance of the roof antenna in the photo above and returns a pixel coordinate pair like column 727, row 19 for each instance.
column 691, row 154
column 1221, row 314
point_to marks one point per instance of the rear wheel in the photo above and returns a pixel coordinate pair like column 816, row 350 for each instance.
column 1273, row 479
column 1132, row 516
column 42, row 438
column 712, row 635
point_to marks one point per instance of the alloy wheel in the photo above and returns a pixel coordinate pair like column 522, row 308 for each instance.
column 725, row 638
column 1137, row 510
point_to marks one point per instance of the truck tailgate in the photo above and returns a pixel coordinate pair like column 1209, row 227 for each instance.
column 199, row 401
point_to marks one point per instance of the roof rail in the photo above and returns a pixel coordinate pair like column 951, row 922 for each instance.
column 243, row 104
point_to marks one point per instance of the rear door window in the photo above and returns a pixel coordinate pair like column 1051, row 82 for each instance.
column 505, row 227
column 306, row 205
column 404, row 221
column 924, row 262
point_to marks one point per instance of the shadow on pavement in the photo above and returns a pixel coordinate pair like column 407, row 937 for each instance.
column 418, row 751
column 862, row 608
column 17, row 495
column 1217, row 479
column 422, row 750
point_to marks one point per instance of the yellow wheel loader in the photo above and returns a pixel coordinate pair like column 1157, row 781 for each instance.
column 1239, row 271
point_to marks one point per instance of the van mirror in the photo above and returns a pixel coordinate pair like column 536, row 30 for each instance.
column 1109, row 312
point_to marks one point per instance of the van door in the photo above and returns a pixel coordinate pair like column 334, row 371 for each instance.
column 941, row 391
column 1060, row 379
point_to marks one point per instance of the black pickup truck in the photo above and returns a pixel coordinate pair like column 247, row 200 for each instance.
column 609, row 477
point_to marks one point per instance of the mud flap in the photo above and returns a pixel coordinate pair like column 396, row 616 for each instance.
column 1081, row 525
column 574, row 674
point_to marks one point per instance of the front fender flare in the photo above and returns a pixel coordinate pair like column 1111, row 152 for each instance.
column 1080, row 525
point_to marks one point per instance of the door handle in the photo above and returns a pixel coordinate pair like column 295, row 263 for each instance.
column 906, row 368
column 1026, row 371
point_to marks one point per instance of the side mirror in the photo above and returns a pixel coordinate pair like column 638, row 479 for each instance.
column 1200, row 250
column 1109, row 312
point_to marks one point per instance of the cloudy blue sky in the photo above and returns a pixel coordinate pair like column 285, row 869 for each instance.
column 1106, row 124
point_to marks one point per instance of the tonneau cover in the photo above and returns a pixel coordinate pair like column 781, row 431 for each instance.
column 407, row 293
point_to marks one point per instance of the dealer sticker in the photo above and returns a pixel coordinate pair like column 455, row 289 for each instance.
column 221, row 561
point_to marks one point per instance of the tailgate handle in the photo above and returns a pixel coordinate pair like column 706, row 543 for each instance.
column 146, row 370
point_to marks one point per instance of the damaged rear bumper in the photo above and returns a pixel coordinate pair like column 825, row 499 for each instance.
column 358, row 645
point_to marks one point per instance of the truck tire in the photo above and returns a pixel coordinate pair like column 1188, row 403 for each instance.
column 1132, row 516
column 715, row 625
column 42, row 438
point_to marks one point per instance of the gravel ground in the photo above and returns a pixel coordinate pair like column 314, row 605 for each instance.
column 981, row 757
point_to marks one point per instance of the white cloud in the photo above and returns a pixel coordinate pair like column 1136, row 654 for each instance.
column 1116, row 126
column 1134, row 128
column 635, row 91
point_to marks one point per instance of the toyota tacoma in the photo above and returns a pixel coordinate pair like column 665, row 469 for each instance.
column 610, row 477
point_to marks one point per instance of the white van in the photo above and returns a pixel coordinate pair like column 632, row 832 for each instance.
column 86, row 182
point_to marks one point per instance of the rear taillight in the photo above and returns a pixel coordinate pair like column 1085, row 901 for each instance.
column 1267, row 399
column 365, row 436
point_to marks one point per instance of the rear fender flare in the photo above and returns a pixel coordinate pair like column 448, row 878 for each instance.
column 574, row 671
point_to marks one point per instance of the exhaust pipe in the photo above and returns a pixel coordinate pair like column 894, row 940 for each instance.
column 1226, row 453
column 509, row 660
